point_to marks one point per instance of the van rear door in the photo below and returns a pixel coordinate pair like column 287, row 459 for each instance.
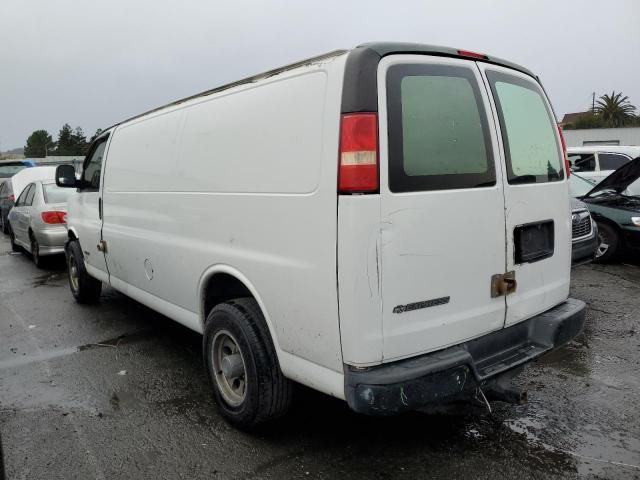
column 442, row 205
column 536, row 193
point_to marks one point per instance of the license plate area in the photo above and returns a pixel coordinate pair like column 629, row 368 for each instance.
column 533, row 241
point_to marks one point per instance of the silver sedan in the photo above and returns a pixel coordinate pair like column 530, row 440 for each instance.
column 37, row 221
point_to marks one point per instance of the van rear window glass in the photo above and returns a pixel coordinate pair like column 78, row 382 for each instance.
column 528, row 130
column 438, row 133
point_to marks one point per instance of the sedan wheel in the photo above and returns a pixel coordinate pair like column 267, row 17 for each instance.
column 35, row 252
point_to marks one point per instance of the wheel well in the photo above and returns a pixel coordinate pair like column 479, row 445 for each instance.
column 71, row 235
column 220, row 288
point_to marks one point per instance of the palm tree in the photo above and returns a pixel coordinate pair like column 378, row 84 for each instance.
column 615, row 110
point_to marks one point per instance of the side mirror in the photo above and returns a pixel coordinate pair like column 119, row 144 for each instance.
column 66, row 176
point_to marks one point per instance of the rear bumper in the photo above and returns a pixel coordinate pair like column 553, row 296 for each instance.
column 455, row 372
column 52, row 240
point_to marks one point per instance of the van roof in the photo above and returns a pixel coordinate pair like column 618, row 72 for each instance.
column 363, row 60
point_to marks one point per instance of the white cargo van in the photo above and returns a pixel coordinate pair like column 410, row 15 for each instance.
column 389, row 225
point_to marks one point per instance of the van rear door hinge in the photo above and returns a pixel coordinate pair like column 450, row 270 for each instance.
column 503, row 284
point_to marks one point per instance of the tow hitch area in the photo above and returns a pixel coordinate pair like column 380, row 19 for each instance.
column 484, row 366
column 502, row 390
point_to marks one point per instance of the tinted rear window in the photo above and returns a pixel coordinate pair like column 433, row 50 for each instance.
column 438, row 134
column 55, row 194
column 529, row 133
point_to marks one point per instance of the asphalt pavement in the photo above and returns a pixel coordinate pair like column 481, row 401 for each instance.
column 117, row 391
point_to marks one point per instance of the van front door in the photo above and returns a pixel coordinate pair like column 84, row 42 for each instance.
column 442, row 205
column 88, row 214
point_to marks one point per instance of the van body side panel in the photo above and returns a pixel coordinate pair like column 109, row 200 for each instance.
column 531, row 145
column 246, row 178
column 359, row 279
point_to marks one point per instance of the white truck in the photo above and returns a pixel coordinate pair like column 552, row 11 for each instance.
column 389, row 225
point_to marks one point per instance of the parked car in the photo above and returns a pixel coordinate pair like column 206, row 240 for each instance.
column 37, row 220
column 597, row 162
column 584, row 234
column 616, row 213
column 9, row 168
column 342, row 222
column 13, row 187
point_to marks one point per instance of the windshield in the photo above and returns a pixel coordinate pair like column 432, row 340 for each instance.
column 55, row 194
column 578, row 186
column 7, row 171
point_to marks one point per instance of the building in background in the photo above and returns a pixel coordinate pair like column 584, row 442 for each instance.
column 602, row 136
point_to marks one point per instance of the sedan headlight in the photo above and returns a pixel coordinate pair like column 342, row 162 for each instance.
column 635, row 221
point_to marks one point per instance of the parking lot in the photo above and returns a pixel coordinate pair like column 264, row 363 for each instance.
column 118, row 391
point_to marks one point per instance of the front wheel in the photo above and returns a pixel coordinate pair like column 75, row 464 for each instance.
column 608, row 243
column 242, row 366
column 84, row 287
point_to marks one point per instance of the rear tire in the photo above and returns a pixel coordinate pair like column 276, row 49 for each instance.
column 35, row 251
column 608, row 244
column 12, row 238
column 253, row 390
column 84, row 287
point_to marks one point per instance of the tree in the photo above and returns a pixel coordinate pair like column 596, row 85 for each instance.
column 79, row 142
column 39, row 144
column 65, row 141
column 95, row 135
column 615, row 110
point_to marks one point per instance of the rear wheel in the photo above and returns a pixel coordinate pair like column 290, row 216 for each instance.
column 84, row 287
column 12, row 237
column 35, row 251
column 241, row 362
column 608, row 243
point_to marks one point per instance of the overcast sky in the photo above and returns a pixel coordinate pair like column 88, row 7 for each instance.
column 94, row 63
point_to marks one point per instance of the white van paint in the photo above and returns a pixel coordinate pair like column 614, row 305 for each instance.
column 241, row 181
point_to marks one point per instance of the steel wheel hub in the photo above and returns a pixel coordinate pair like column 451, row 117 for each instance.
column 229, row 368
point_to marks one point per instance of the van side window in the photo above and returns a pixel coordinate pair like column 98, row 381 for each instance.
column 93, row 166
column 438, row 133
column 529, row 131
column 612, row 161
column 583, row 162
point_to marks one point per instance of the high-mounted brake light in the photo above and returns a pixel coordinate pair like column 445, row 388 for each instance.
column 358, row 162
column 53, row 218
column 470, row 54
column 567, row 165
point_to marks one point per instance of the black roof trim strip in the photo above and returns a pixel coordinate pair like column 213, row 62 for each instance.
column 360, row 91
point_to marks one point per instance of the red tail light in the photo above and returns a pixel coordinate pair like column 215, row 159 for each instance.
column 12, row 198
column 567, row 165
column 467, row 53
column 358, row 168
column 53, row 218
